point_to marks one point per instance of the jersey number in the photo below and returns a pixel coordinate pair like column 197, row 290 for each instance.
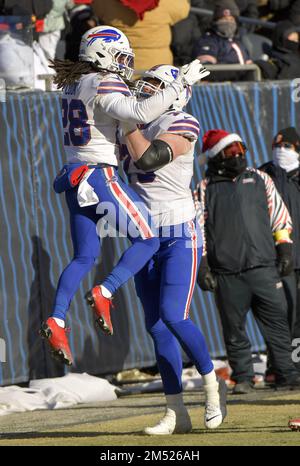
column 74, row 116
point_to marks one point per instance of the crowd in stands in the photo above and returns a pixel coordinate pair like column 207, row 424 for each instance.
column 160, row 31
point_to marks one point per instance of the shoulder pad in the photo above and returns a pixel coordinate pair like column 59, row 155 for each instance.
column 184, row 124
column 112, row 83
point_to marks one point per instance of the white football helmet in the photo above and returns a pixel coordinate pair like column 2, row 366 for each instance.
column 108, row 49
column 165, row 74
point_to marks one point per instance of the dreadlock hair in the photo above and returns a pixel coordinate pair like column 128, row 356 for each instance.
column 67, row 71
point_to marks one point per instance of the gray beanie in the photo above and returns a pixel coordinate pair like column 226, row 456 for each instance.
column 226, row 8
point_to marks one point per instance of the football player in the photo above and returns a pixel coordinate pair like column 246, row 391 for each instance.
column 95, row 98
column 166, row 283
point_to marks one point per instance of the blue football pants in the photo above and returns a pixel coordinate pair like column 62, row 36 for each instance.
column 165, row 287
column 124, row 210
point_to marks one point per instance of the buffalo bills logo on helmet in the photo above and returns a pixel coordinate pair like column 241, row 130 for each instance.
column 107, row 35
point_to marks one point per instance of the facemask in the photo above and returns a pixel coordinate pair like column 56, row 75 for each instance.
column 287, row 159
column 230, row 167
column 291, row 45
column 226, row 29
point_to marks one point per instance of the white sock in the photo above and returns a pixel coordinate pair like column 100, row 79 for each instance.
column 106, row 293
column 211, row 388
column 209, row 378
column 60, row 322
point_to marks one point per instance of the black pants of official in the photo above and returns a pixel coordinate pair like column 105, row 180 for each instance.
column 262, row 290
column 291, row 285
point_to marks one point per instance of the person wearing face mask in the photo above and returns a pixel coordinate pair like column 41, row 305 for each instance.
column 220, row 44
column 247, row 248
column 283, row 61
column 285, row 172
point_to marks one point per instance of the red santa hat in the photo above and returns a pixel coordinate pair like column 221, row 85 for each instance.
column 216, row 140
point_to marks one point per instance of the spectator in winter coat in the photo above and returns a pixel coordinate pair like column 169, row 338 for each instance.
column 284, row 170
column 188, row 31
column 220, row 43
column 284, row 57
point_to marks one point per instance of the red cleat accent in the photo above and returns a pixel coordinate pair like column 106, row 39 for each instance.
column 57, row 340
column 101, row 306
column 294, row 424
column 270, row 379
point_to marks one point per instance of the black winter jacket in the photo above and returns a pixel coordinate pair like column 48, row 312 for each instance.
column 288, row 185
column 238, row 224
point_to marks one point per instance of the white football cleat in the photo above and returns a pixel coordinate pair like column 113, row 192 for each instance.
column 171, row 424
column 215, row 415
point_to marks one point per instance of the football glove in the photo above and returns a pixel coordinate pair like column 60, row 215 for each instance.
column 284, row 259
column 192, row 73
column 205, row 279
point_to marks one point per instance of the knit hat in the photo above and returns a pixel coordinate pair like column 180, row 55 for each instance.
column 216, row 140
column 288, row 135
column 225, row 8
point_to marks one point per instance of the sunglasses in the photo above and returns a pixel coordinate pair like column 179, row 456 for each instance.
column 234, row 149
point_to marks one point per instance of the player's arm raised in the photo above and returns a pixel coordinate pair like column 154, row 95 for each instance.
column 118, row 106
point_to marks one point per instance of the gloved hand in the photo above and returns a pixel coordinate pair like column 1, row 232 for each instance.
column 284, row 259
column 205, row 279
column 192, row 72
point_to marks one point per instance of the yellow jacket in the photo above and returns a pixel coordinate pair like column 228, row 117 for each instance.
column 149, row 38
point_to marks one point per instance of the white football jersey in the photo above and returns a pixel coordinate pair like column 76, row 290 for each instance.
column 90, row 134
column 92, row 108
column 166, row 191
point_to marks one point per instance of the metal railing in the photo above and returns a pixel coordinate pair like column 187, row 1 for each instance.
column 242, row 19
column 251, row 68
column 48, row 78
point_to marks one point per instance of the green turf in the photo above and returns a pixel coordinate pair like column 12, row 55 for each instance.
column 255, row 422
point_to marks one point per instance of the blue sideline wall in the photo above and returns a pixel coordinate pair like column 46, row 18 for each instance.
column 35, row 242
